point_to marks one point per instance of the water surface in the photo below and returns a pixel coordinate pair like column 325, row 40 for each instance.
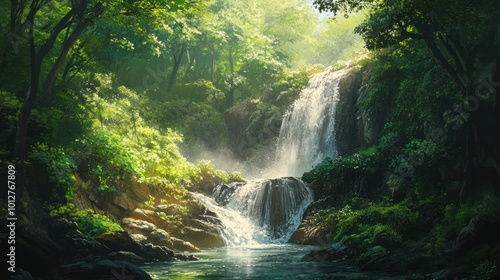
column 261, row 262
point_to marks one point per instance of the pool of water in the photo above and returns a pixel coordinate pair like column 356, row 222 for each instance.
column 261, row 262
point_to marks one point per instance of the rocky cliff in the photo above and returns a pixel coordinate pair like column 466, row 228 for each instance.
column 355, row 129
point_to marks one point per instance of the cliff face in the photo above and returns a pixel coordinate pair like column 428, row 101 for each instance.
column 355, row 129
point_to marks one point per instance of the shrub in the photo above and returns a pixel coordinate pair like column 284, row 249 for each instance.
column 105, row 159
column 89, row 223
column 60, row 168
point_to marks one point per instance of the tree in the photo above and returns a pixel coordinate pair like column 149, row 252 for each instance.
column 463, row 37
column 50, row 40
column 80, row 15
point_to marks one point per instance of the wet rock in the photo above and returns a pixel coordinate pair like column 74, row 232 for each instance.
column 183, row 246
column 119, row 241
column 354, row 129
column 126, row 256
column 308, row 234
column 185, row 258
column 274, row 202
column 104, row 269
column 205, row 237
column 161, row 237
column 157, row 253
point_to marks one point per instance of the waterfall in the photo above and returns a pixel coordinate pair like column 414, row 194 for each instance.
column 307, row 130
column 268, row 211
column 263, row 211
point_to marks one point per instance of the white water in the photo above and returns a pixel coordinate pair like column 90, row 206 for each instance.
column 307, row 131
column 268, row 211
column 259, row 212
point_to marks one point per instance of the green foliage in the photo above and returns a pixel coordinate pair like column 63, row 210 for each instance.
column 176, row 214
column 9, row 108
column 366, row 223
column 206, row 169
column 485, row 203
column 89, row 223
column 60, row 167
column 369, row 161
column 487, row 270
column 418, row 155
column 393, row 220
column 105, row 159
column 332, row 216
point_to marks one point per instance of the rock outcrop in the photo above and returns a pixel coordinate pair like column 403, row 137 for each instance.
column 180, row 226
column 354, row 128
column 253, row 129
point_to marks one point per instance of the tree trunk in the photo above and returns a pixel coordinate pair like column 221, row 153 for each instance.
column 177, row 53
column 36, row 60
column 54, row 71
column 212, row 67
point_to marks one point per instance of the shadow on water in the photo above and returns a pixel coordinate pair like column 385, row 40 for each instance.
column 261, row 262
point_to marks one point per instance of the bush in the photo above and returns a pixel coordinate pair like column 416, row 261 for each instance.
column 365, row 162
column 60, row 168
column 89, row 222
column 376, row 224
column 104, row 160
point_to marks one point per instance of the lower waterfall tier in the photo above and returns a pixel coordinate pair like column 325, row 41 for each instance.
column 259, row 212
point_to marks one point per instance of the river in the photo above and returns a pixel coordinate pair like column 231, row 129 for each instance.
column 263, row 262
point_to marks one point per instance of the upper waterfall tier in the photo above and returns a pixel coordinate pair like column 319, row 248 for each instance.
column 307, row 131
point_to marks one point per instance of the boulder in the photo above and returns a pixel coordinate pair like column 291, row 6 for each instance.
column 134, row 226
column 119, row 241
column 182, row 257
column 183, row 246
column 205, row 238
column 145, row 215
column 157, row 253
column 162, row 238
column 274, row 202
column 308, row 234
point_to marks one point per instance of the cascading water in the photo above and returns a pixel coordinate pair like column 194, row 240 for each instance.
column 263, row 211
column 307, row 130
column 268, row 211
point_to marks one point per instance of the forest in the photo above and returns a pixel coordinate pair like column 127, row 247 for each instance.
column 120, row 119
